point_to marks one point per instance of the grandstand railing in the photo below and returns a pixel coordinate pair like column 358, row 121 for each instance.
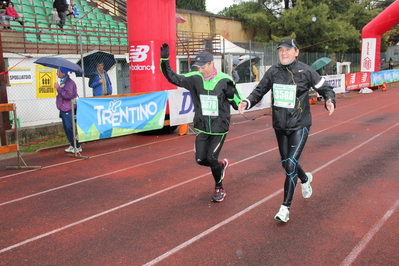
column 70, row 40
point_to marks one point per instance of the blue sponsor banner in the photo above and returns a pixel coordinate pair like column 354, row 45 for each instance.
column 388, row 76
column 100, row 118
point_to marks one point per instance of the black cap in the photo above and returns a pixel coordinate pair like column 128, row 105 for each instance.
column 203, row 58
column 288, row 43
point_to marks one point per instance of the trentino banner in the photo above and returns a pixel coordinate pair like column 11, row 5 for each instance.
column 100, row 118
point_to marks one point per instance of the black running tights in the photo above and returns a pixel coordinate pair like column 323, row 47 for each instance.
column 207, row 149
column 291, row 144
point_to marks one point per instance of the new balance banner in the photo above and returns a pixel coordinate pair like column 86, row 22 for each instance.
column 100, row 118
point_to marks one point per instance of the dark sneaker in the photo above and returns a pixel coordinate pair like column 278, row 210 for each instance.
column 219, row 195
column 225, row 163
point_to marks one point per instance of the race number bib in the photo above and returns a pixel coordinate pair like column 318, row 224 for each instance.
column 284, row 95
column 209, row 105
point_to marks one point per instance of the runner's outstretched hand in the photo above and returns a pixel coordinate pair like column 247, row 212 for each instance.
column 165, row 50
column 330, row 106
column 242, row 106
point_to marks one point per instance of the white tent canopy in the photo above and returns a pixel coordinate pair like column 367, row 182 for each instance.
column 227, row 47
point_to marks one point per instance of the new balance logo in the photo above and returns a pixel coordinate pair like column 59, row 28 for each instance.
column 138, row 53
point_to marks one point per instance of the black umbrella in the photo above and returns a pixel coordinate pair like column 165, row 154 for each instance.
column 57, row 62
column 91, row 59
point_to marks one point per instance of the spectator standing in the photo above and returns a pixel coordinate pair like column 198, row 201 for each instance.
column 255, row 72
column 66, row 91
column 234, row 73
column 390, row 63
column 10, row 11
column 61, row 6
column 100, row 81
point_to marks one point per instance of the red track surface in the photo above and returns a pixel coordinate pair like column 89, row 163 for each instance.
column 143, row 200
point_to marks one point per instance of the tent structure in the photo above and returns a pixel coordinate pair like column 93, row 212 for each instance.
column 227, row 47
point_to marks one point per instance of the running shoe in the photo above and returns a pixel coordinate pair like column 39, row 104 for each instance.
column 283, row 214
column 225, row 163
column 306, row 187
column 69, row 149
column 219, row 195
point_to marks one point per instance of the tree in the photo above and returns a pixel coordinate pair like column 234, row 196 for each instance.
column 195, row 5
column 256, row 17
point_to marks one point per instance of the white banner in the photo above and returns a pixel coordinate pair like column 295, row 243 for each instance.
column 337, row 82
column 20, row 75
column 369, row 50
column 181, row 107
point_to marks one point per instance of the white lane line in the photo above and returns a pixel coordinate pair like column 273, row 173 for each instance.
column 368, row 237
column 111, row 173
column 210, row 230
column 97, row 215
column 185, row 244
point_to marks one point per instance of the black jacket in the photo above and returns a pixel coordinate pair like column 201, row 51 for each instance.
column 60, row 5
column 304, row 77
column 221, row 86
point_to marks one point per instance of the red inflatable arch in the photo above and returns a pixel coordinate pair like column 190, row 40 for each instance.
column 371, row 37
column 150, row 23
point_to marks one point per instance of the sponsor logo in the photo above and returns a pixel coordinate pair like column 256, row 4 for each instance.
column 138, row 54
column 116, row 114
column 367, row 63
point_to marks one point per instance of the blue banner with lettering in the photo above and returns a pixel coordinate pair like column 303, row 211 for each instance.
column 100, row 118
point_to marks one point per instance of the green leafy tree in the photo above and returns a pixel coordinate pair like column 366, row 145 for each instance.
column 195, row 5
column 315, row 30
column 256, row 17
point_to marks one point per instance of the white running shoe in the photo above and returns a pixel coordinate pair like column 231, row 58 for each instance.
column 69, row 149
column 283, row 214
column 306, row 187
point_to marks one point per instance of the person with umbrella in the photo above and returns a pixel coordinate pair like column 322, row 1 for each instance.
column 290, row 81
column 66, row 91
column 100, row 82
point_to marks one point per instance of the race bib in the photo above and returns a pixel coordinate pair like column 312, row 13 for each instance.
column 284, row 95
column 209, row 105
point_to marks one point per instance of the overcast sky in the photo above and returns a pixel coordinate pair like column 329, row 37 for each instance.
column 215, row 6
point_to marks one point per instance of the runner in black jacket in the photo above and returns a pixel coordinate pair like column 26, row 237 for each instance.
column 290, row 81
column 212, row 92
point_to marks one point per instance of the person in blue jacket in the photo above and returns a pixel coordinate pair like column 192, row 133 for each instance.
column 100, row 81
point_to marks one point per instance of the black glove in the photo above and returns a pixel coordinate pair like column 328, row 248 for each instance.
column 165, row 51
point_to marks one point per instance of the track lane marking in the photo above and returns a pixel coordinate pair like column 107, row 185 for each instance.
column 210, row 230
column 157, row 142
column 192, row 240
column 352, row 256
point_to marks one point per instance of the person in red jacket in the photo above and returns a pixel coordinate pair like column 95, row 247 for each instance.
column 10, row 11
